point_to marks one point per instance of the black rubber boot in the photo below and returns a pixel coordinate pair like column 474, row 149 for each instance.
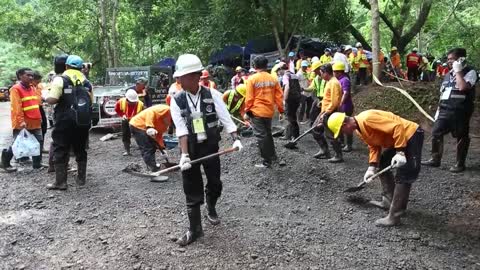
column 288, row 133
column 37, row 162
column 388, row 186
column 323, row 153
column 397, row 209
column 348, row 146
column 5, row 161
column 212, row 215
column 51, row 164
column 437, row 152
column 60, row 178
column 462, row 151
column 81, row 173
column 195, row 231
column 127, row 149
column 338, row 156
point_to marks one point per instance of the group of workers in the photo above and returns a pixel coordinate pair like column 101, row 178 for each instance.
column 198, row 111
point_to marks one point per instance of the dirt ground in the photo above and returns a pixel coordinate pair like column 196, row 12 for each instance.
column 292, row 217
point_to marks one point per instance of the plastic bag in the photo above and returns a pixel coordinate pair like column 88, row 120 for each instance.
column 25, row 145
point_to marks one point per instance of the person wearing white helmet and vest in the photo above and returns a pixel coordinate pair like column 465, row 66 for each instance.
column 127, row 108
column 196, row 112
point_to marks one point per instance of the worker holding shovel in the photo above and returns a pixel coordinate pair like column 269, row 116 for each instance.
column 196, row 112
column 402, row 141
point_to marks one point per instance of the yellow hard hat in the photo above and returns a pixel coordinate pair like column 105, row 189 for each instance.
column 239, row 68
column 335, row 122
column 316, row 65
column 394, row 48
column 242, row 89
column 338, row 66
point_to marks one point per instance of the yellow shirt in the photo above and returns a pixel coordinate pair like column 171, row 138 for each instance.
column 325, row 59
column 56, row 87
column 333, row 96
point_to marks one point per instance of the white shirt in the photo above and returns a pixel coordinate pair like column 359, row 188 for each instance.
column 220, row 108
column 470, row 77
column 342, row 58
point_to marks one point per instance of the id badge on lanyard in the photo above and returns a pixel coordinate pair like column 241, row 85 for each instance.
column 198, row 126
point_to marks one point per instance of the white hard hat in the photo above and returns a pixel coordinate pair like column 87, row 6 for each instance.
column 132, row 95
column 186, row 64
column 348, row 47
column 358, row 44
column 315, row 59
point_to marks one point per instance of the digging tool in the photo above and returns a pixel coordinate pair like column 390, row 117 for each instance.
column 167, row 163
column 293, row 144
column 158, row 177
column 240, row 121
column 365, row 182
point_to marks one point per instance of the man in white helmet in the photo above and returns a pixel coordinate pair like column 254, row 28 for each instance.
column 127, row 108
column 195, row 112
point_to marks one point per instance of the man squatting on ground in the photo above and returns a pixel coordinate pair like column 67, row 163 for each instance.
column 402, row 141
column 195, row 112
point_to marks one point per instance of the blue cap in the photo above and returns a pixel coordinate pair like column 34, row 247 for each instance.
column 74, row 61
column 291, row 54
column 304, row 63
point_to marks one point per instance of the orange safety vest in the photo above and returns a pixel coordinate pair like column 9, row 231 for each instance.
column 30, row 102
column 124, row 107
column 361, row 59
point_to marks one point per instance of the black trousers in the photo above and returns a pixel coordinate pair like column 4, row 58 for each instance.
column 292, row 130
column 192, row 178
column 148, row 146
column 262, row 129
column 315, row 111
column 305, row 108
column 44, row 122
column 412, row 73
column 344, row 137
column 456, row 122
column 126, row 133
column 408, row 173
column 66, row 136
column 321, row 134
column 361, row 77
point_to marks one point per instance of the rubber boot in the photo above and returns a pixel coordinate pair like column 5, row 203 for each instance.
column 212, row 215
column 462, row 151
column 60, row 178
column 323, row 153
column 397, row 209
column 51, row 164
column 288, row 133
column 195, row 230
column 437, row 152
column 81, row 173
column 338, row 156
column 348, row 146
column 5, row 160
column 37, row 162
column 126, row 145
column 388, row 186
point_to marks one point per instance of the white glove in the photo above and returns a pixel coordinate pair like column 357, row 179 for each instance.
column 238, row 144
column 185, row 162
column 45, row 94
column 457, row 66
column 124, row 117
column 152, row 132
column 399, row 160
column 369, row 173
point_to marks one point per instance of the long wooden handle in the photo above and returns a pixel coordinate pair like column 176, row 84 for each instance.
column 176, row 167
column 378, row 174
column 240, row 121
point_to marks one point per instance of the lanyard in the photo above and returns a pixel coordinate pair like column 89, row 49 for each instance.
column 194, row 103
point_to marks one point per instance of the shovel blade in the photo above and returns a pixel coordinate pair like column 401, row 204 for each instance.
column 290, row 145
column 355, row 189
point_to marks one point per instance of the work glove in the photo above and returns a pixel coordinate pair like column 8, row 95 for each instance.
column 246, row 117
column 124, row 117
column 399, row 160
column 152, row 132
column 458, row 65
column 369, row 173
column 45, row 94
column 238, row 144
column 185, row 162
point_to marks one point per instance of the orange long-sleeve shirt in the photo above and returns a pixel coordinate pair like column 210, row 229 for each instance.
column 263, row 93
column 396, row 60
column 17, row 114
column 157, row 117
column 333, row 96
column 381, row 129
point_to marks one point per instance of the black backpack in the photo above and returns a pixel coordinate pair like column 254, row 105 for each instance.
column 81, row 104
column 294, row 90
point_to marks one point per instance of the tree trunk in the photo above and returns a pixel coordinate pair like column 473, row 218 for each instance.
column 114, row 44
column 375, row 38
column 105, row 38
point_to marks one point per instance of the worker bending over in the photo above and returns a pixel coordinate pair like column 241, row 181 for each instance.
column 127, row 108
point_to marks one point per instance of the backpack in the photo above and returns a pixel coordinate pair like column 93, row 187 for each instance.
column 294, row 90
column 81, row 104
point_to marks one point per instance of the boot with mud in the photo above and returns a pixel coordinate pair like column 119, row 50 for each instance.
column 195, row 230
column 212, row 215
column 437, row 152
column 397, row 209
column 126, row 145
column 60, row 178
column 5, row 161
column 462, row 151
column 338, row 156
column 81, row 173
column 388, row 186
column 324, row 152
column 348, row 147
column 37, row 162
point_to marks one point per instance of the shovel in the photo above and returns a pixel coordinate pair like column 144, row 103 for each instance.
column 240, row 121
column 365, row 182
column 293, row 144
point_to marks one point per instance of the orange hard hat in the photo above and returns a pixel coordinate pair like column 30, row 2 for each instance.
column 205, row 74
